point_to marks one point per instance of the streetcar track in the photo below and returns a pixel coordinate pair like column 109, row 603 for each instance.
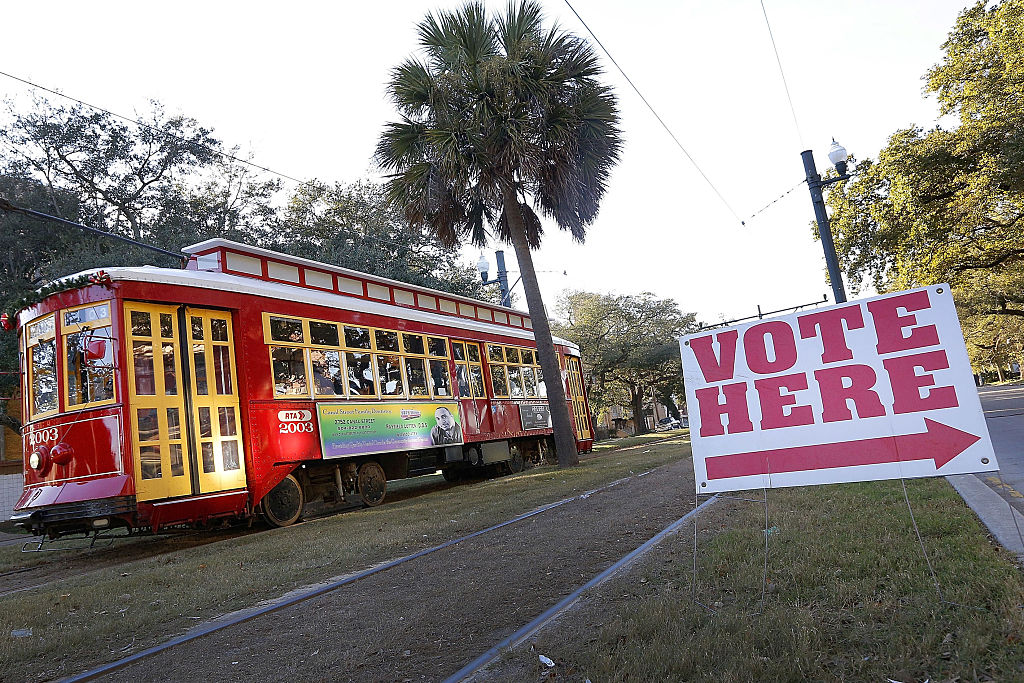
column 468, row 672
column 252, row 613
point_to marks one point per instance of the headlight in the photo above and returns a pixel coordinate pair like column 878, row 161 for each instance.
column 35, row 460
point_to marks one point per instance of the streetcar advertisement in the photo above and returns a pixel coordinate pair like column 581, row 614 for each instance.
column 363, row 428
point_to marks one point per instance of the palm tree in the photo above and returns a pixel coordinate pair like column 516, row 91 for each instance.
column 498, row 113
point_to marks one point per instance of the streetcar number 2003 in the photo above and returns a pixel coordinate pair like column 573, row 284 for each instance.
column 295, row 427
column 42, row 436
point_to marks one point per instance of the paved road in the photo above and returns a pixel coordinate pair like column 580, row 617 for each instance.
column 1004, row 414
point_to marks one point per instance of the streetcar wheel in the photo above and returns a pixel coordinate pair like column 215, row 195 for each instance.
column 372, row 483
column 283, row 505
column 516, row 462
column 451, row 473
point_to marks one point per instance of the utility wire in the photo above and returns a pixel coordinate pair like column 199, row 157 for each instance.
column 782, row 73
column 662, row 122
column 149, row 127
column 776, row 200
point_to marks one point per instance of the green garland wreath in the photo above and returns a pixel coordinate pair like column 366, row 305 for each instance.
column 32, row 298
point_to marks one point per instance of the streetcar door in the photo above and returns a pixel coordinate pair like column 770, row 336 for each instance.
column 158, row 416
column 213, row 393
column 578, row 398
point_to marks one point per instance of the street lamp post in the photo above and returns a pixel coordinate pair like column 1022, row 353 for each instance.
column 502, row 276
column 837, row 155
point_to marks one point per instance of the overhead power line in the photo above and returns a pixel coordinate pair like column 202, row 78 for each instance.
column 660, row 120
column 149, row 127
column 782, row 73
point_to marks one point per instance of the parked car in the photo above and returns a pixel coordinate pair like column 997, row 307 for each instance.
column 668, row 423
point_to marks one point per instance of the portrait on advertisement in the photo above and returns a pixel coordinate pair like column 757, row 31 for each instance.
column 447, row 429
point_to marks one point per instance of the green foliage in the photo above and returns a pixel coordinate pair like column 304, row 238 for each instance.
column 353, row 226
column 498, row 104
column 629, row 345
column 947, row 204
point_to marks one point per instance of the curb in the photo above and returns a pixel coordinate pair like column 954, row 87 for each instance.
column 994, row 512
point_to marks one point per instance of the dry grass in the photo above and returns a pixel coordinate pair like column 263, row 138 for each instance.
column 111, row 612
column 850, row 598
column 628, row 441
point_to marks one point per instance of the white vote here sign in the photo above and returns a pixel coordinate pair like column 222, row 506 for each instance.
column 879, row 388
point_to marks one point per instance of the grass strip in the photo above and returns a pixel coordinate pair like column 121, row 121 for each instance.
column 108, row 613
column 849, row 597
column 628, row 441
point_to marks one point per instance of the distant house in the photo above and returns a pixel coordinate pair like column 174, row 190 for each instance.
column 12, row 477
column 618, row 420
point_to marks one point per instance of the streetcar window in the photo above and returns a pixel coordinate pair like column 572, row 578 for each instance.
column 87, row 314
column 166, row 326
column 142, row 357
column 416, row 375
column 357, row 337
column 327, row 376
column 499, row 382
column 199, row 366
column 458, row 351
column 177, row 461
column 389, row 375
column 511, row 354
column 474, row 353
column 437, row 346
column 286, row 330
column 170, row 373
column 494, row 354
column 42, row 361
column 209, row 463
column 323, row 334
column 197, row 327
column 205, row 427
column 289, row 368
column 476, row 380
column 527, row 357
column 173, row 424
column 149, row 456
column 43, row 328
column 529, row 382
column 226, row 417
column 218, row 329
column 359, row 368
column 229, row 454
column 515, row 382
column 149, row 424
column 440, row 378
column 222, row 368
column 141, row 325
column 542, row 390
column 413, row 343
column 386, row 341
column 89, row 355
column 462, row 377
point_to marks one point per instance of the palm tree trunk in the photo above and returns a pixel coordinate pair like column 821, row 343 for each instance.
column 565, row 439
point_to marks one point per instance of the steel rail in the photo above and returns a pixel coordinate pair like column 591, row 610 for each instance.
column 248, row 615
column 466, row 672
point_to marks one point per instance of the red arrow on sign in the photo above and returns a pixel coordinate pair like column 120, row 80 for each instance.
column 938, row 442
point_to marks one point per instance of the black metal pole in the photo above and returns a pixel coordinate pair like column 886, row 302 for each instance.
column 814, row 184
column 503, row 278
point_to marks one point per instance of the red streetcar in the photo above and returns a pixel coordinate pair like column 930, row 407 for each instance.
column 252, row 381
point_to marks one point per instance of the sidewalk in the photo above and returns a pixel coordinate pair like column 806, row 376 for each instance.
column 995, row 513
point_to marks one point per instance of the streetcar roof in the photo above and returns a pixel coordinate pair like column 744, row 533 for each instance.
column 245, row 285
column 221, row 243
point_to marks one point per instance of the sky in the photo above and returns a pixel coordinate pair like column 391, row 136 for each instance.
column 301, row 86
